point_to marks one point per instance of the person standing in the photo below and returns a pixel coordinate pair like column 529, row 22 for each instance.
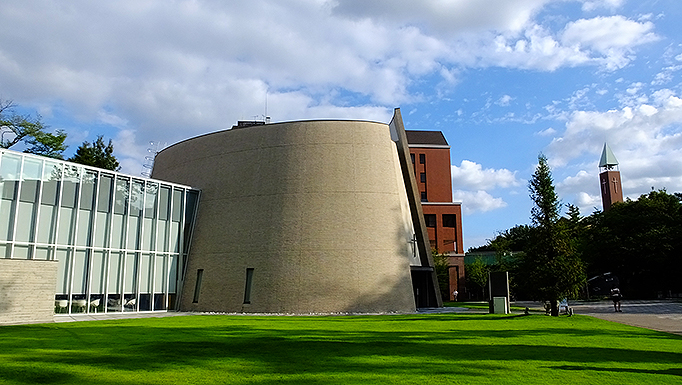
column 616, row 297
column 454, row 295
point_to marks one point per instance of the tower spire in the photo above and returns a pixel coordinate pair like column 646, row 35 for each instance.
column 609, row 179
column 608, row 160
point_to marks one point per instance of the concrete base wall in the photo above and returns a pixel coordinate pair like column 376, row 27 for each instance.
column 27, row 291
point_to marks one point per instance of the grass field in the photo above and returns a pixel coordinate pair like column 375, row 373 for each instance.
column 401, row 349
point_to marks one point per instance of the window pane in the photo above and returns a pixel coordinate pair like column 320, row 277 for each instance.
column 160, row 276
column 145, row 266
column 31, row 175
column 88, row 190
column 52, row 176
column 137, row 198
column 101, row 237
column 6, row 219
column 115, row 269
column 104, row 193
column 25, row 216
column 46, row 224
column 98, row 273
column 148, row 236
column 70, row 186
column 130, row 277
column 117, row 231
column 150, row 200
column 164, row 201
column 63, row 257
column 121, row 196
column 173, row 275
column 9, row 175
column 162, row 236
column 42, row 253
column 80, row 272
column 177, row 205
column 175, row 237
column 21, row 252
column 84, row 227
column 192, row 201
column 133, row 233
column 65, row 229
column 29, row 190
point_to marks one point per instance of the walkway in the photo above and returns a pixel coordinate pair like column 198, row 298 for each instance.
column 661, row 315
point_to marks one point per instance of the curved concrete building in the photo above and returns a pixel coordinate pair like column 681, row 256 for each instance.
column 296, row 217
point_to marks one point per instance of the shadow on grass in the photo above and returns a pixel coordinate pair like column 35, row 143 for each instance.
column 356, row 346
column 670, row 371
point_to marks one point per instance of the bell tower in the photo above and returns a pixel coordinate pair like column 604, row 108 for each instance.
column 609, row 179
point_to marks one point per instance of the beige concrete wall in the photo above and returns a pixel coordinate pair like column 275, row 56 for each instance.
column 316, row 208
column 27, row 291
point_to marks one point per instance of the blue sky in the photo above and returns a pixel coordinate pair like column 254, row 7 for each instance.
column 503, row 79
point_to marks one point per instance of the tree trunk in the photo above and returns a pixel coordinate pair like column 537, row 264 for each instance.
column 554, row 308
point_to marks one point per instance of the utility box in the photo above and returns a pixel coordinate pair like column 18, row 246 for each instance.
column 500, row 305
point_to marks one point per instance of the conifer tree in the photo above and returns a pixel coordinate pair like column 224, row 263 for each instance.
column 97, row 154
column 550, row 269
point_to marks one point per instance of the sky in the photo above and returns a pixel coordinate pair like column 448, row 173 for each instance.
column 504, row 80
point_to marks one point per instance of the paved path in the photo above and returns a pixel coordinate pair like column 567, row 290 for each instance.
column 665, row 316
column 661, row 315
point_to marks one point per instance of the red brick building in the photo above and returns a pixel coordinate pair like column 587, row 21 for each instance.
column 430, row 154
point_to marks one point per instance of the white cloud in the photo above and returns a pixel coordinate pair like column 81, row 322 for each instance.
column 591, row 5
column 471, row 176
column 548, row 132
column 477, row 201
column 611, row 37
column 646, row 138
column 446, row 17
column 168, row 71
column 504, row 100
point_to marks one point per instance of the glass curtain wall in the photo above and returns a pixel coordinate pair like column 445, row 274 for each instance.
column 120, row 241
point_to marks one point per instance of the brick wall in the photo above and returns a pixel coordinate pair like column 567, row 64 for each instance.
column 27, row 290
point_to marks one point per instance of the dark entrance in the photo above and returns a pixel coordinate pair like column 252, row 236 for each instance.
column 423, row 287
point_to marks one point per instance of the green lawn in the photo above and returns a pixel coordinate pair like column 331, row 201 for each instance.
column 410, row 349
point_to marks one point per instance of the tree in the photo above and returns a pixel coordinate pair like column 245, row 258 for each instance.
column 442, row 272
column 477, row 276
column 97, row 155
column 30, row 131
column 639, row 241
column 550, row 268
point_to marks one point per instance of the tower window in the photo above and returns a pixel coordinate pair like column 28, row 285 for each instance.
column 424, row 197
column 412, row 158
column 449, row 220
column 430, row 220
column 422, row 158
column 422, row 177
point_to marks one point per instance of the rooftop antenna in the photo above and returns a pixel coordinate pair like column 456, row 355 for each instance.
column 267, row 117
column 153, row 149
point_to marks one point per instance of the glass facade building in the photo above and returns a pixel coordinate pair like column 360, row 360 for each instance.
column 121, row 241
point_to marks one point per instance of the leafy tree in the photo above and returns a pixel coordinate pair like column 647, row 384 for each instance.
column 30, row 131
column 477, row 276
column 639, row 241
column 442, row 272
column 97, row 154
column 550, row 268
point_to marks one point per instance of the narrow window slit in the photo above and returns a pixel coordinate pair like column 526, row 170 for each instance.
column 197, row 287
column 247, row 286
